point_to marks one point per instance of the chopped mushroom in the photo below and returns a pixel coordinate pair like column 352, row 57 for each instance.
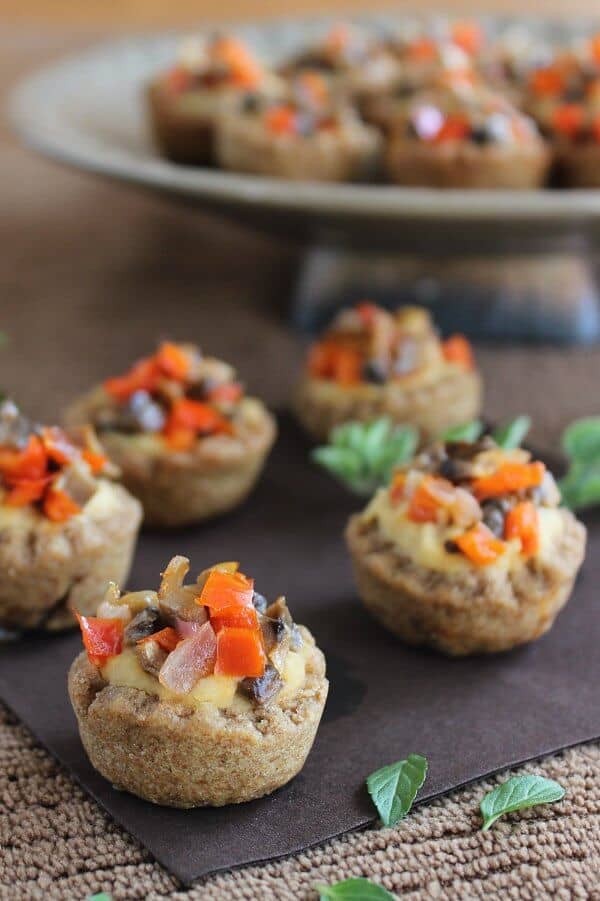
column 15, row 428
column 151, row 656
column 263, row 688
column 176, row 600
column 142, row 625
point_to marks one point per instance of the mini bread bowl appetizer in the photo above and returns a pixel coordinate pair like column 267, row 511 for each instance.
column 305, row 136
column 208, row 78
column 372, row 363
column 200, row 694
column 465, row 137
column 188, row 442
column 65, row 530
column 467, row 550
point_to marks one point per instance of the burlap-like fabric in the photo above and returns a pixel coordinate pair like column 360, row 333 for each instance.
column 92, row 273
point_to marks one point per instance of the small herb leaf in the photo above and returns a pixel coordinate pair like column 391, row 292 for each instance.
column 393, row 788
column 468, row 431
column 355, row 889
column 517, row 794
column 581, row 440
column 513, row 433
column 364, row 455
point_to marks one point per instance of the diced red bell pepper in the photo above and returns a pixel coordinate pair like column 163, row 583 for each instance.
column 222, row 590
column 227, row 393
column 508, row 479
column 367, row 313
column 197, row 416
column 166, row 638
column 95, row 460
column 422, row 49
column 547, row 81
column 26, row 491
column 458, row 350
column 431, row 495
column 523, row 522
column 454, row 128
column 143, row 376
column 29, row 463
column 480, row 545
column 173, row 361
column 235, row 617
column 281, row 120
column 245, row 72
column 595, row 47
column 58, row 506
column 468, row 36
column 568, row 119
column 240, row 653
column 102, row 638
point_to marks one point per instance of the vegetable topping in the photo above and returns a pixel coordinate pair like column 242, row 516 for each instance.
column 44, row 467
column 368, row 344
column 481, row 497
column 176, row 393
column 217, row 626
column 224, row 62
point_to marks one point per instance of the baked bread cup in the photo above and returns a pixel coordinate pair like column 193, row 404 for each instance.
column 564, row 99
column 372, row 363
column 65, row 530
column 465, row 136
column 200, row 695
column 467, row 551
column 309, row 136
column 208, row 78
column 187, row 441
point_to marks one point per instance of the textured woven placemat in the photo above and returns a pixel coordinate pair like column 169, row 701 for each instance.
column 91, row 274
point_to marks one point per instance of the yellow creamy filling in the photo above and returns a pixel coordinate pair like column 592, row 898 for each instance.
column 424, row 542
column 102, row 502
column 125, row 670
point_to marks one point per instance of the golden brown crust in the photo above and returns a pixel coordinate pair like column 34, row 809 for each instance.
column 478, row 610
column 433, row 407
column 466, row 165
column 177, row 488
column 182, row 136
column 49, row 567
column 177, row 756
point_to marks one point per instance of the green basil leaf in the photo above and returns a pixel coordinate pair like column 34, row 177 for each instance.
column 348, row 435
column 580, row 488
column 518, row 793
column 356, row 889
column 468, row 431
column 513, row 433
column 393, row 788
column 581, row 440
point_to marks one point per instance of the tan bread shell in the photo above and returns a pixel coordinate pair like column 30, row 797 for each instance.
column 182, row 136
column 480, row 610
column 180, row 757
column 578, row 166
column 178, row 488
column 49, row 567
column 466, row 165
column 451, row 400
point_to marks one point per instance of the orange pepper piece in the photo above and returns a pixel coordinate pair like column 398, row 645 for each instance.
column 240, row 653
column 244, row 69
column 173, row 361
column 367, row 312
column 95, row 461
column 523, row 522
column 428, row 498
column 568, row 119
column 457, row 349
column 27, row 491
column 222, row 590
column 320, row 360
column 189, row 418
column 422, row 49
column 595, row 47
column 454, row 128
column 29, row 463
column 168, row 639
column 347, row 366
column 235, row 617
column 480, row 545
column 547, row 81
column 509, row 478
column 143, row 376
column 102, row 638
column 468, row 36
column 58, row 506
column 281, row 120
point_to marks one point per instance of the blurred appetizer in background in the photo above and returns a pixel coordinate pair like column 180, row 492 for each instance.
column 200, row 694
column 372, row 363
column 65, row 530
column 188, row 442
column 209, row 77
column 465, row 137
column 306, row 136
column 467, row 550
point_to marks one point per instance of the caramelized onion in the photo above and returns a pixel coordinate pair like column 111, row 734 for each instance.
column 192, row 659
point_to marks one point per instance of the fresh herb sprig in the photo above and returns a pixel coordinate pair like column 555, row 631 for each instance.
column 508, row 436
column 393, row 788
column 518, row 793
column 355, row 889
column 364, row 455
column 580, row 488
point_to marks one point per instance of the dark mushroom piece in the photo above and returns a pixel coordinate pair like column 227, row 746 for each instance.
column 142, row 625
column 151, row 656
column 263, row 688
